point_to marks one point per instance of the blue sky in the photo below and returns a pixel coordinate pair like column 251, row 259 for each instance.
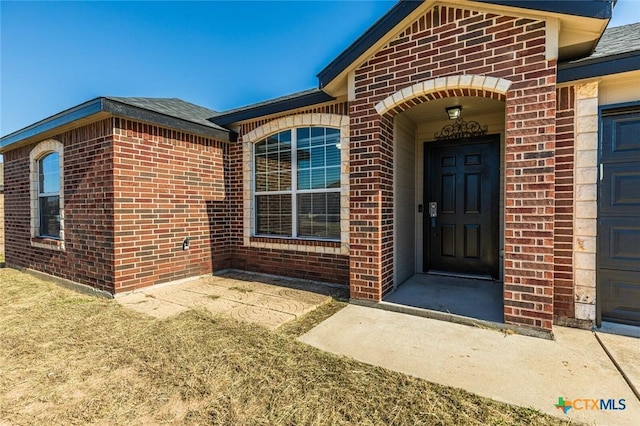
column 220, row 55
column 54, row 55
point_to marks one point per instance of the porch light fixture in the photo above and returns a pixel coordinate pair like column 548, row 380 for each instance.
column 454, row 112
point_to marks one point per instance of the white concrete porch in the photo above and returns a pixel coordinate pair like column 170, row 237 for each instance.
column 472, row 298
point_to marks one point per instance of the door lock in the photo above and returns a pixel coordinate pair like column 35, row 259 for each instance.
column 433, row 213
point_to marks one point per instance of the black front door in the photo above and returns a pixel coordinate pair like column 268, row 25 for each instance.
column 619, row 219
column 462, row 179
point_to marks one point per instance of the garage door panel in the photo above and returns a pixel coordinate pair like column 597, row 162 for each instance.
column 620, row 137
column 620, row 189
column 620, row 247
column 619, row 218
column 621, row 289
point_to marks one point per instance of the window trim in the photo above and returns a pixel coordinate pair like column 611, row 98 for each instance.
column 293, row 192
column 38, row 153
column 249, row 139
column 42, row 194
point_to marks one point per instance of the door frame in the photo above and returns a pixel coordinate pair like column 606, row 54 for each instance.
column 603, row 111
column 429, row 146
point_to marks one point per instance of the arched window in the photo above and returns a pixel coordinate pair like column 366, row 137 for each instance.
column 49, row 195
column 297, row 184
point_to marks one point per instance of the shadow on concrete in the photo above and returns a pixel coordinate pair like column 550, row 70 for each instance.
column 338, row 292
column 478, row 299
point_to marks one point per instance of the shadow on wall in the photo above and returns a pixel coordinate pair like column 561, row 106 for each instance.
column 219, row 234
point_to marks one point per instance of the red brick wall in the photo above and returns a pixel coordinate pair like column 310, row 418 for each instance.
column 168, row 186
column 563, row 292
column 324, row 267
column 132, row 193
column 371, row 204
column 298, row 264
column 88, row 197
column 450, row 41
column 1, row 209
column 1, row 223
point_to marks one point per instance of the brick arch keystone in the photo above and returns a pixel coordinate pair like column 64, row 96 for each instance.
column 284, row 123
column 455, row 85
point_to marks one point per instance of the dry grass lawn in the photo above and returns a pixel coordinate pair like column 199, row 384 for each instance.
column 66, row 358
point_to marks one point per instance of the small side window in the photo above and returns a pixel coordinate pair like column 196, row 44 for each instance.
column 46, row 163
column 49, row 195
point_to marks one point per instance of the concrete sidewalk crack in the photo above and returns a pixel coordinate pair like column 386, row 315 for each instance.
column 620, row 370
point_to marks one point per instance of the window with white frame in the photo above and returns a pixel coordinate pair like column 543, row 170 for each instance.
column 297, row 184
column 49, row 195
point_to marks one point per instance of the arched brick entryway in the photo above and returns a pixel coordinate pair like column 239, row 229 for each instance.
column 528, row 188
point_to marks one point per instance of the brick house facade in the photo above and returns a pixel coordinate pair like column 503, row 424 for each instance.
column 142, row 178
column 1, row 210
column 133, row 193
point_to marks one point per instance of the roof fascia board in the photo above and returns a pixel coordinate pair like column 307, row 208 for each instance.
column 600, row 9
column 78, row 112
column 598, row 67
column 272, row 108
column 363, row 43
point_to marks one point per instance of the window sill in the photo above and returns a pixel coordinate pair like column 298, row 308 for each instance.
column 48, row 243
column 296, row 241
column 295, row 245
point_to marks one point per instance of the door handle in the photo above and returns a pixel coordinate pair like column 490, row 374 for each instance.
column 433, row 213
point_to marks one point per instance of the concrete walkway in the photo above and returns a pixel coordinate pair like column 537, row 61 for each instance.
column 472, row 298
column 512, row 368
column 266, row 300
column 516, row 369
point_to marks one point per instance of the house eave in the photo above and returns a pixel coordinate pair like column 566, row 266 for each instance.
column 62, row 119
column 128, row 111
column 360, row 46
column 598, row 67
column 591, row 19
column 270, row 108
column 586, row 8
column 99, row 108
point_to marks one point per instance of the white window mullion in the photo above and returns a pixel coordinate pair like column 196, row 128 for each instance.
column 272, row 192
column 254, row 194
column 294, row 182
column 317, row 191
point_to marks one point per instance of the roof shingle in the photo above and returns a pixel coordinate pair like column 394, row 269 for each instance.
column 272, row 106
column 618, row 51
column 172, row 107
column 618, row 40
